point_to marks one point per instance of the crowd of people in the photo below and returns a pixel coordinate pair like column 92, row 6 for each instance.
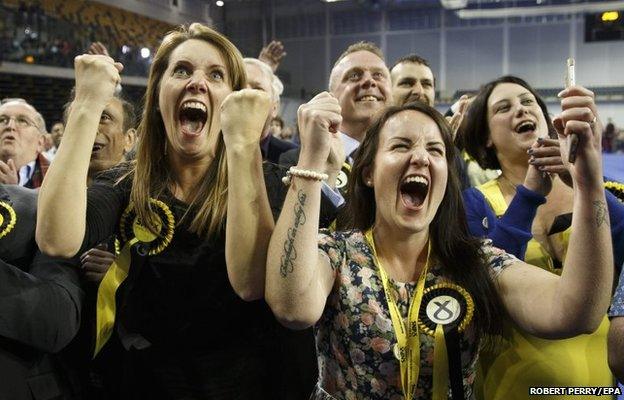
column 195, row 252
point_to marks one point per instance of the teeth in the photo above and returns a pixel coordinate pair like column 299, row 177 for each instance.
column 368, row 98
column 418, row 179
column 522, row 125
column 194, row 104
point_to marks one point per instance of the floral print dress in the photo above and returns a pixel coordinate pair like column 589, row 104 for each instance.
column 355, row 337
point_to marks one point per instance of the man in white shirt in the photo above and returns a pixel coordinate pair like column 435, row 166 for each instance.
column 57, row 133
column 21, row 144
column 360, row 80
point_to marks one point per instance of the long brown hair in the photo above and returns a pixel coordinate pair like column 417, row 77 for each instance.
column 152, row 175
column 457, row 251
column 474, row 131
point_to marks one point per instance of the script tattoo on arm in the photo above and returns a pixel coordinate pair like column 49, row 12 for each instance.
column 600, row 213
column 287, row 261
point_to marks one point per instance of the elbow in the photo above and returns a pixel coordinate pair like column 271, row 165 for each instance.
column 53, row 248
column 616, row 364
column 290, row 316
column 249, row 293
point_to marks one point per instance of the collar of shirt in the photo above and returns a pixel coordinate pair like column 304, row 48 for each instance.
column 350, row 145
column 26, row 172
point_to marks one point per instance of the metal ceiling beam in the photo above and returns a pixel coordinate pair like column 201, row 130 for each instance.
column 578, row 8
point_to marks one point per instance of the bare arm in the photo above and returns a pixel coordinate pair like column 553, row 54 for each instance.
column 249, row 218
column 62, row 204
column 299, row 277
column 576, row 302
column 615, row 345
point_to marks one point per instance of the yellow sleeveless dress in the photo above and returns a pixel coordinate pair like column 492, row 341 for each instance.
column 522, row 360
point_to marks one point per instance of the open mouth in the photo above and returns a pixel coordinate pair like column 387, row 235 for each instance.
column 97, row 147
column 367, row 98
column 525, row 127
column 192, row 116
column 414, row 190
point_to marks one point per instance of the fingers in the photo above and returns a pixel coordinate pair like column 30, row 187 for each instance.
column 543, row 161
column 119, row 66
column 4, row 168
column 95, row 277
column 575, row 91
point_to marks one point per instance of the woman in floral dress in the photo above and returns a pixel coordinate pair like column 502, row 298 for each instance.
column 401, row 295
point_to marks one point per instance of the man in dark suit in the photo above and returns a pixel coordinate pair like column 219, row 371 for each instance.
column 413, row 80
column 40, row 302
column 261, row 77
column 360, row 80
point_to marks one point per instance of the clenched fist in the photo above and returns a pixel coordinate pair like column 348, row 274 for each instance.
column 318, row 122
column 243, row 116
column 97, row 77
column 579, row 115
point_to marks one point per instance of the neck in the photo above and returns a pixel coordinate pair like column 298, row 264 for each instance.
column 403, row 257
column 187, row 174
column 354, row 129
column 514, row 170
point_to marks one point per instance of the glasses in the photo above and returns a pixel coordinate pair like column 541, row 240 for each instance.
column 20, row 121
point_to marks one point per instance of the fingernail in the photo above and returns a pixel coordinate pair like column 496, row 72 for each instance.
column 530, row 151
column 540, row 168
column 561, row 93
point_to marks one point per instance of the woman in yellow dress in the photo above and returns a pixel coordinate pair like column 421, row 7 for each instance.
column 527, row 211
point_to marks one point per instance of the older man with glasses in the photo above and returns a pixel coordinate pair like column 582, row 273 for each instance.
column 21, row 144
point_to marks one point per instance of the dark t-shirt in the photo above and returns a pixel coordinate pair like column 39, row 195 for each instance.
column 206, row 342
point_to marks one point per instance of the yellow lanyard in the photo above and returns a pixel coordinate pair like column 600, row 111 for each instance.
column 407, row 349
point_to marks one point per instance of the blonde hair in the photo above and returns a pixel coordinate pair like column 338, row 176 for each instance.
column 208, row 202
column 355, row 47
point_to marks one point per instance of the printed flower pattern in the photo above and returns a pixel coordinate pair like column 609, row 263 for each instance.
column 355, row 337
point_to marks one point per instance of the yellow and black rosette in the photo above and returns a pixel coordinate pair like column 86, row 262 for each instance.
column 446, row 311
column 132, row 232
column 8, row 218
column 616, row 188
column 130, row 227
column 343, row 177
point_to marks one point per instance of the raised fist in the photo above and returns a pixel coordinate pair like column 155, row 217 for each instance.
column 97, row 77
column 243, row 117
column 318, row 122
column 579, row 116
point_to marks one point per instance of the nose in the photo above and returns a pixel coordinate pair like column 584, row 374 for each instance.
column 521, row 109
column 198, row 83
column 367, row 80
column 420, row 157
column 417, row 90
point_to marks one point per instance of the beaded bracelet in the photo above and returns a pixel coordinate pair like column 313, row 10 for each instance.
column 303, row 173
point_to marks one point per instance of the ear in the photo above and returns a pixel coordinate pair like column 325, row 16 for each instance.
column 367, row 176
column 130, row 138
column 41, row 143
column 275, row 109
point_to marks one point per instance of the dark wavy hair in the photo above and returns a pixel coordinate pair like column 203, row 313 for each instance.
column 474, row 131
column 456, row 250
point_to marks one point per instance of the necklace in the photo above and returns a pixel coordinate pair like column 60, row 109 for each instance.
column 507, row 183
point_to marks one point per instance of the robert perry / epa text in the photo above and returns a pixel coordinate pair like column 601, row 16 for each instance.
column 575, row 391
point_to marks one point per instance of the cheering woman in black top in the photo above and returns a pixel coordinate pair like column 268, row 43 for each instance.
column 175, row 294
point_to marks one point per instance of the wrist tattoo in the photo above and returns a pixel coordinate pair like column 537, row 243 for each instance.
column 600, row 213
column 287, row 261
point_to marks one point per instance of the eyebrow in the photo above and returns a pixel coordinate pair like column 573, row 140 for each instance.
column 191, row 62
column 520, row 95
